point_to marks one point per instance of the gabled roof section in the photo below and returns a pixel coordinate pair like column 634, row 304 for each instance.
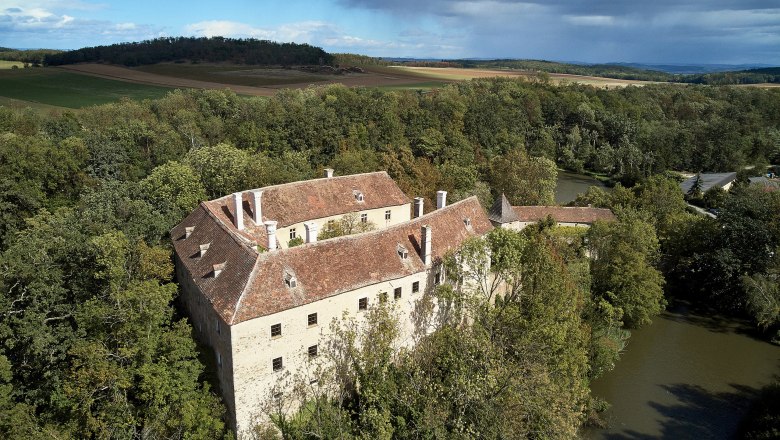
column 297, row 202
column 563, row 214
column 225, row 248
column 501, row 211
column 329, row 267
column 708, row 180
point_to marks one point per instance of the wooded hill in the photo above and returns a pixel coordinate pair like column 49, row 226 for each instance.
column 212, row 50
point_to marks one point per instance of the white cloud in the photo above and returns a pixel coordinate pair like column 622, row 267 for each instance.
column 590, row 20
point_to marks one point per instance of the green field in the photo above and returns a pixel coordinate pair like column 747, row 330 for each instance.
column 64, row 89
column 10, row 64
column 252, row 76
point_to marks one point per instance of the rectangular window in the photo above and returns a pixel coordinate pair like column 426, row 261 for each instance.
column 363, row 304
column 382, row 297
column 387, row 215
column 219, row 360
column 313, row 351
column 277, row 364
column 364, row 218
column 397, row 293
column 312, row 319
column 292, row 233
column 276, row 330
column 415, row 287
column 437, row 279
column 217, row 327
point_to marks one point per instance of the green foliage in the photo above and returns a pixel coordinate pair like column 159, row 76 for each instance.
column 297, row 241
column 348, row 224
column 623, row 274
column 524, row 180
column 174, row 190
column 213, row 50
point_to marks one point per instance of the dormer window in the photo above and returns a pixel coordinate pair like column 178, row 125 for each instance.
column 290, row 280
column 203, row 249
column 358, row 196
column 402, row 252
column 218, row 268
column 188, row 231
column 467, row 221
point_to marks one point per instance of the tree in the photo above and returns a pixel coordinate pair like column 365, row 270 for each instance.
column 622, row 270
column 348, row 224
column 174, row 190
column 524, row 180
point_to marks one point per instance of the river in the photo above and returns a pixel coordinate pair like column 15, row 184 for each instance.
column 685, row 376
column 571, row 184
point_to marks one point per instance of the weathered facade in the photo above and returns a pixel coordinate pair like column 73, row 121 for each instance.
column 263, row 308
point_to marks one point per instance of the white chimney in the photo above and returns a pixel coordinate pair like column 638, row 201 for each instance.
column 218, row 268
column 188, row 231
column 425, row 246
column 441, row 199
column 257, row 207
column 418, row 206
column 328, row 172
column 311, row 232
column 270, row 230
column 238, row 202
column 203, row 249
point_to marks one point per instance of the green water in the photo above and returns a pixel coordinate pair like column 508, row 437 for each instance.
column 686, row 376
column 571, row 184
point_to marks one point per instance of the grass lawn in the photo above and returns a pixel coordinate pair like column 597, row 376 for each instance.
column 65, row 89
column 252, row 76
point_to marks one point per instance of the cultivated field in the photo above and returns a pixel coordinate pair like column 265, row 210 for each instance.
column 57, row 87
column 80, row 85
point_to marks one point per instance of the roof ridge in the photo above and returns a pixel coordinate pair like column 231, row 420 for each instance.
column 301, row 182
column 239, row 240
column 376, row 231
column 249, row 281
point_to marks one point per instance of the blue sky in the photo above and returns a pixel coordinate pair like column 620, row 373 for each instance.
column 650, row 31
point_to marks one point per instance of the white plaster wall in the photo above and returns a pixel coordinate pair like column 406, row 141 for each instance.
column 254, row 349
column 398, row 214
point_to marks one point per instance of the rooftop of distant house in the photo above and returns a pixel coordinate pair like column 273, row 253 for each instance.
column 708, row 180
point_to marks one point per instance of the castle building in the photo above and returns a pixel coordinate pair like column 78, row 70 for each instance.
column 263, row 306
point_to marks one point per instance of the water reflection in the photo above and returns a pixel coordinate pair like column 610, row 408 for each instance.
column 686, row 376
column 571, row 184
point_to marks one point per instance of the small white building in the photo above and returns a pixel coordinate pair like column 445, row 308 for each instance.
column 263, row 307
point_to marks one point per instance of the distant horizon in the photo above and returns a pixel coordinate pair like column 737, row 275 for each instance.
column 687, row 32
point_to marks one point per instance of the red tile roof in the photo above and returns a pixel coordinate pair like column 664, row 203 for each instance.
column 297, row 202
column 563, row 214
column 322, row 269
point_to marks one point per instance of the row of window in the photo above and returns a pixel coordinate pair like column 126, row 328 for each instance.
column 363, row 218
column 276, row 329
column 278, row 363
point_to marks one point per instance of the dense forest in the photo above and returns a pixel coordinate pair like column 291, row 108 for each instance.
column 195, row 49
column 34, row 57
column 93, row 345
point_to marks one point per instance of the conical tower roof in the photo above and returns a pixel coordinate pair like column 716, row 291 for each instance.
column 502, row 212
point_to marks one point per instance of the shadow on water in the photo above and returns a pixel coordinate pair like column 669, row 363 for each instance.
column 686, row 312
column 698, row 414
